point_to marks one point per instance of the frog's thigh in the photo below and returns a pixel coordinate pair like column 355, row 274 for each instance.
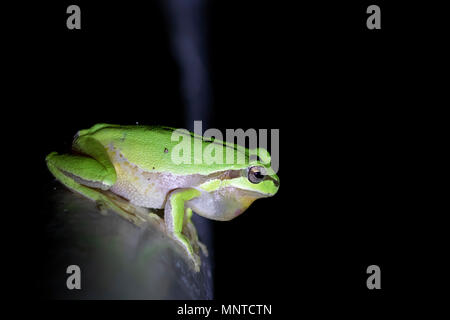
column 74, row 170
column 85, row 175
column 174, row 214
column 99, row 168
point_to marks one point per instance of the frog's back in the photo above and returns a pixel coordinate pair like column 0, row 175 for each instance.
column 151, row 147
column 152, row 137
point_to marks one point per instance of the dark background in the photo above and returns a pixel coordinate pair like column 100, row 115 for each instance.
column 339, row 93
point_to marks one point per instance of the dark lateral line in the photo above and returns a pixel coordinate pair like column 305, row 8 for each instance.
column 225, row 175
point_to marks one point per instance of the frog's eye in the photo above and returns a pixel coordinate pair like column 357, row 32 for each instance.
column 256, row 174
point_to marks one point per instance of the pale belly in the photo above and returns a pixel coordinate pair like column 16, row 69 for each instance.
column 147, row 189
column 140, row 191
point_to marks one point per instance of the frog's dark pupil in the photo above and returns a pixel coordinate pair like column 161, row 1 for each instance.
column 258, row 175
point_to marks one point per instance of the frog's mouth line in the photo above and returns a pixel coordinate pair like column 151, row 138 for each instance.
column 255, row 194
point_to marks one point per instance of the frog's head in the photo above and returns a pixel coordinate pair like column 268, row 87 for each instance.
column 257, row 179
column 235, row 190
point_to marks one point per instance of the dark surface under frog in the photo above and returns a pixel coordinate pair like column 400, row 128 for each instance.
column 118, row 260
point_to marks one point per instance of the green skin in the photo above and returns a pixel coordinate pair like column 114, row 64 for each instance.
column 133, row 164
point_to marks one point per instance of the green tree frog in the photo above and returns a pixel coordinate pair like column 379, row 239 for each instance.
column 117, row 165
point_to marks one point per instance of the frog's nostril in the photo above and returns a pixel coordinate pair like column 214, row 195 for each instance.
column 276, row 182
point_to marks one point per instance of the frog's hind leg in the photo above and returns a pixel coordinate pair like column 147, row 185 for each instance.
column 87, row 177
column 75, row 170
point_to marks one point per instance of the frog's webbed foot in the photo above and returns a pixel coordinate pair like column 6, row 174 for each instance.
column 190, row 232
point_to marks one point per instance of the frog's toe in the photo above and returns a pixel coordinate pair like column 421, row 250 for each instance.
column 51, row 155
column 191, row 255
column 102, row 207
column 204, row 248
column 196, row 261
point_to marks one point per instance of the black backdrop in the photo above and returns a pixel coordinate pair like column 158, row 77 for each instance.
column 339, row 93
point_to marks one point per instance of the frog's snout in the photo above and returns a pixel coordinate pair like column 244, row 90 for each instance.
column 276, row 181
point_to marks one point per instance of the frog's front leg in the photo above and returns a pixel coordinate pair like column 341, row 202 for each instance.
column 174, row 212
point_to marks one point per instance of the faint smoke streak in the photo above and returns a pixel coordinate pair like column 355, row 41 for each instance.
column 187, row 22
